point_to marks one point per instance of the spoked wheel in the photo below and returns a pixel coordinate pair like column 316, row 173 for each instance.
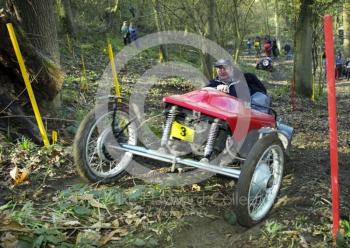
column 94, row 160
column 260, row 180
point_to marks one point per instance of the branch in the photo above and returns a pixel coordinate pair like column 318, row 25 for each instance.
column 246, row 14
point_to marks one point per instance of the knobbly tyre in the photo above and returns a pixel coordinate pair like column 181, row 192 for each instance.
column 198, row 132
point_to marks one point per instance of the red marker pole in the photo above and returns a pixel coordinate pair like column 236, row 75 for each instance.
column 332, row 119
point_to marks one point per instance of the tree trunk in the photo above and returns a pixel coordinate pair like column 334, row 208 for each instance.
column 207, row 63
column 266, row 16
column 163, row 50
column 346, row 25
column 277, row 26
column 239, row 24
column 38, row 21
column 68, row 18
column 46, row 77
column 37, row 18
column 303, row 50
column 238, row 36
column 204, row 66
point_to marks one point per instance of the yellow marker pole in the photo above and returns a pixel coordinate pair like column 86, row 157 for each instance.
column 54, row 137
column 84, row 84
column 27, row 83
column 114, row 71
column 69, row 44
column 313, row 90
column 83, row 64
column 161, row 58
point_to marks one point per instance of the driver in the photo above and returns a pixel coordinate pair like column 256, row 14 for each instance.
column 225, row 82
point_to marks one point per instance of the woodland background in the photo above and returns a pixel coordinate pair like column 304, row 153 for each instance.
column 64, row 43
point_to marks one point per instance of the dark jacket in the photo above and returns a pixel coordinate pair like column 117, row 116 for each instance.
column 254, row 84
column 215, row 82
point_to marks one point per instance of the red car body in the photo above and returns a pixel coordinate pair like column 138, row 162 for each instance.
column 223, row 106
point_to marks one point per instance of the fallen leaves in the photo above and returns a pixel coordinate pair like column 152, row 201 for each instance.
column 87, row 237
column 19, row 176
column 115, row 223
column 177, row 214
column 134, row 216
column 8, row 228
column 89, row 198
column 10, row 225
column 9, row 240
column 109, row 237
column 196, row 188
column 24, row 159
column 99, row 225
column 71, row 223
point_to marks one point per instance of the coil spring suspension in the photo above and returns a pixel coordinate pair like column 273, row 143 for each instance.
column 167, row 128
column 211, row 138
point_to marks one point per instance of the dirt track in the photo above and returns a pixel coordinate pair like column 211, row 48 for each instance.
column 305, row 194
column 302, row 213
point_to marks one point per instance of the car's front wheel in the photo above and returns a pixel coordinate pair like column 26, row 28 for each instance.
column 260, row 180
column 93, row 158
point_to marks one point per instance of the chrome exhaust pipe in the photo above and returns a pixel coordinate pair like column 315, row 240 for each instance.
column 169, row 158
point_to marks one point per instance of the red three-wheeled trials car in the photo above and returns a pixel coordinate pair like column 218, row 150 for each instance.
column 204, row 129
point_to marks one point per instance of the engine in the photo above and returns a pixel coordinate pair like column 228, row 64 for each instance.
column 190, row 132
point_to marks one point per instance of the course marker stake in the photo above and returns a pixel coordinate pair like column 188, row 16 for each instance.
column 332, row 119
column 114, row 71
column 27, row 83
column 54, row 137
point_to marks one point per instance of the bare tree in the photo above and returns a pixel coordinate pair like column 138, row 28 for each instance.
column 163, row 51
column 68, row 17
column 346, row 25
column 303, row 50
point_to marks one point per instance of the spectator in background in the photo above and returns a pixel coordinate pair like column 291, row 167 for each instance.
column 267, row 40
column 257, row 46
column 324, row 64
column 133, row 34
column 347, row 65
column 275, row 51
column 249, row 46
column 338, row 65
column 267, row 47
column 287, row 49
column 125, row 33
